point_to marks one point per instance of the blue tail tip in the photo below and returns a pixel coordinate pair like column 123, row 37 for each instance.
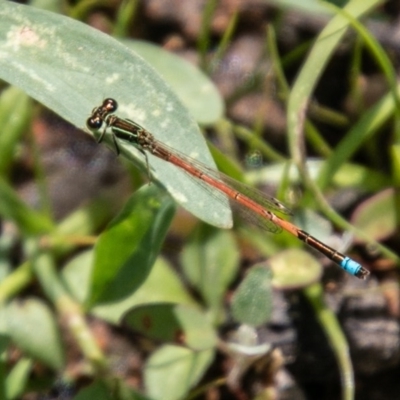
column 354, row 268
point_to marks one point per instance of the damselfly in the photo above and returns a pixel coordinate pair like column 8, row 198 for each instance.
column 254, row 203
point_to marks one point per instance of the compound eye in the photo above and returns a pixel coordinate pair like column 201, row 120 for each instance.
column 110, row 105
column 94, row 123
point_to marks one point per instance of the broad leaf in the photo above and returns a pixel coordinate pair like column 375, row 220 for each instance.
column 70, row 68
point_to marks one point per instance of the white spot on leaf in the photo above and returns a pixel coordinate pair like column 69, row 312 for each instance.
column 112, row 79
column 24, row 36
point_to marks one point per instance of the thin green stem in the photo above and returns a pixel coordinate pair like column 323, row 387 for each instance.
column 248, row 136
column 15, row 282
column 203, row 43
column 70, row 311
column 316, row 140
column 336, row 337
column 224, row 42
column 125, row 16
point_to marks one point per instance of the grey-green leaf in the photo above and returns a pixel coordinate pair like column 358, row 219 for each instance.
column 210, row 261
column 196, row 91
column 171, row 371
column 70, row 68
column 18, row 378
column 252, row 302
column 32, row 327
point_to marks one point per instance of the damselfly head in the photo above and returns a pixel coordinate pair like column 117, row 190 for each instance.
column 94, row 123
column 110, row 105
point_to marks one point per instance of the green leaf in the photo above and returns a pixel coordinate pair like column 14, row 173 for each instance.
column 180, row 324
column 196, row 91
column 70, row 67
column 210, row 261
column 377, row 216
column 252, row 301
column 126, row 251
column 15, row 113
column 32, row 327
column 77, row 273
column 171, row 371
column 12, row 208
column 162, row 285
column 294, row 268
column 18, row 378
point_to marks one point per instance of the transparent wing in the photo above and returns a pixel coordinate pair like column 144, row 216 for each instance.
column 266, row 201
